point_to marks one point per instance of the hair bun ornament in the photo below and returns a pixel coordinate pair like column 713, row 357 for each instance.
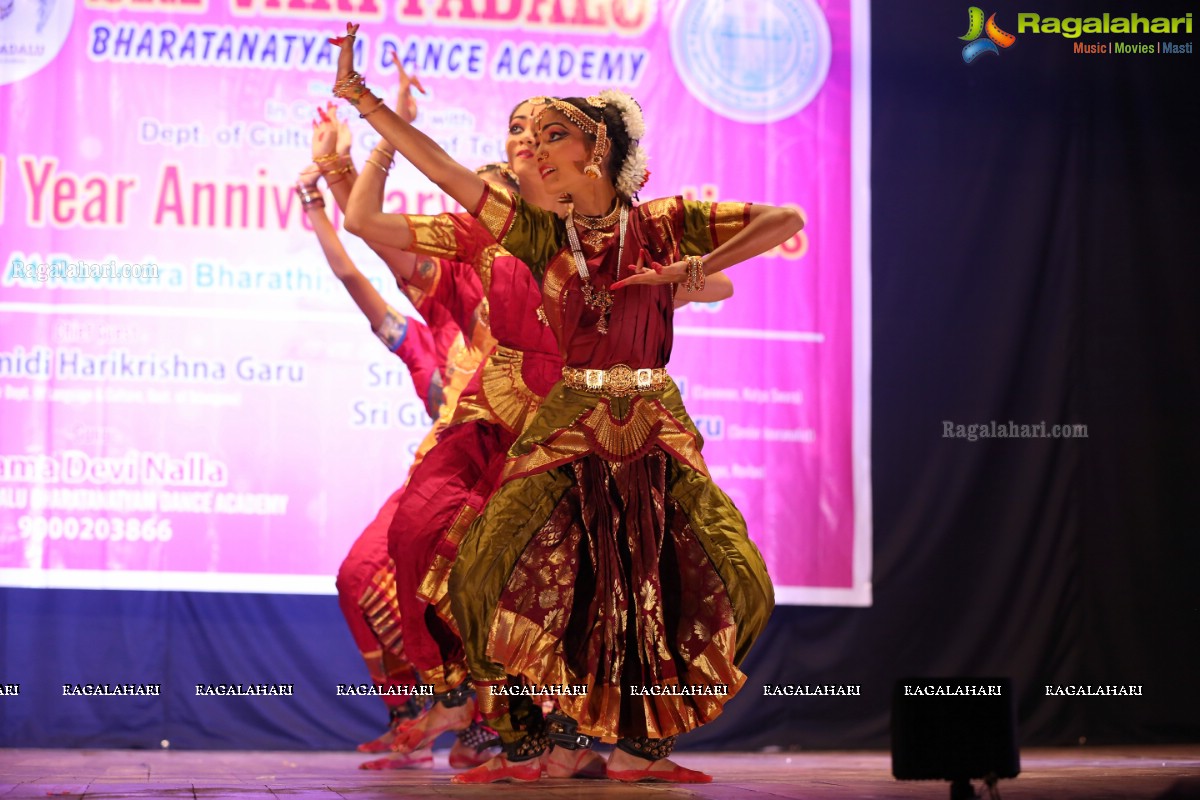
column 631, row 111
column 634, row 173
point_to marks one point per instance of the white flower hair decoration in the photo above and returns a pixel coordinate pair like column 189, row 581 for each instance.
column 631, row 112
column 632, row 175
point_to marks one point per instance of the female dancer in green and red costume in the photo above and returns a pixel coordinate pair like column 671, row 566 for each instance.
column 608, row 558
column 525, row 365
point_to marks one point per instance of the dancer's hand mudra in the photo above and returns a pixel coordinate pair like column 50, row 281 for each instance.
column 654, row 274
column 325, row 133
column 406, row 104
column 346, row 56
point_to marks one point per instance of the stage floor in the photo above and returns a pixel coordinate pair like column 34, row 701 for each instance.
column 1067, row 774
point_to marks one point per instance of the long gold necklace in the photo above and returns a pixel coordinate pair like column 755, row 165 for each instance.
column 599, row 299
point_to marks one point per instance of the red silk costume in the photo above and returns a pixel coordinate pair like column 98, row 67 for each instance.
column 366, row 584
column 494, row 298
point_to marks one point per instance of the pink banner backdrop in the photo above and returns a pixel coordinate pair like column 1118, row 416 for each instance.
column 189, row 398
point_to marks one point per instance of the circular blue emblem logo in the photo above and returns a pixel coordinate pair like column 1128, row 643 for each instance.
column 31, row 34
column 751, row 62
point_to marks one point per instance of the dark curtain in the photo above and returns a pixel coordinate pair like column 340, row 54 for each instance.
column 1035, row 258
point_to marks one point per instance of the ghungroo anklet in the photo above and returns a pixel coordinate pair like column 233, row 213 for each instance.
column 529, row 746
column 456, row 697
column 564, row 732
column 478, row 737
column 649, row 749
column 410, row 710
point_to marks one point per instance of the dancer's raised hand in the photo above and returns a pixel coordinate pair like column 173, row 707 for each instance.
column 406, row 104
column 346, row 56
column 325, row 133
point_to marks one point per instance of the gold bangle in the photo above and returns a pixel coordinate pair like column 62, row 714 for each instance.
column 347, row 165
column 378, row 105
column 352, row 87
column 695, row 278
column 379, row 166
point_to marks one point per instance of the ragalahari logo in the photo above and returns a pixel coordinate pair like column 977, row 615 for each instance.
column 976, row 27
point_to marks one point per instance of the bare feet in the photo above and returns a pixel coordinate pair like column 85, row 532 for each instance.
column 464, row 756
column 433, row 724
column 384, row 741
column 582, row 763
column 418, row 759
column 501, row 769
column 625, row 767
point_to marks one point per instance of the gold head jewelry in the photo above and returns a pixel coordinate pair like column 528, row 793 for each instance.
column 591, row 127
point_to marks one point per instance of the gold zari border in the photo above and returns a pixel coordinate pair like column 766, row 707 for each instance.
column 435, row 585
column 598, row 430
column 526, row 649
column 444, row 677
column 433, row 236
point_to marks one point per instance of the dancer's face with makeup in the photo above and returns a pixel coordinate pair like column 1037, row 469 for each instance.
column 519, row 143
column 563, row 150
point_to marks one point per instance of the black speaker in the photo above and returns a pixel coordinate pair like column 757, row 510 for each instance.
column 954, row 729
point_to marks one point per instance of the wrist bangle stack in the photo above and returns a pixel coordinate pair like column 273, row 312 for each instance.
column 310, row 196
column 329, row 166
column 351, row 88
column 694, row 281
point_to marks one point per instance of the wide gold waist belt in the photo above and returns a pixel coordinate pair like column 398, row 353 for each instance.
column 616, row 381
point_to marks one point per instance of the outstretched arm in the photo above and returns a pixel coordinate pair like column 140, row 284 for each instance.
column 407, row 338
column 767, row 227
column 365, row 296
column 422, row 152
column 331, row 154
column 365, row 216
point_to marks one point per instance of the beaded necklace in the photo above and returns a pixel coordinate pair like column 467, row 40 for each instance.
column 599, row 299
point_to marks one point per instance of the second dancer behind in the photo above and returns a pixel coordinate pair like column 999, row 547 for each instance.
column 368, row 573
